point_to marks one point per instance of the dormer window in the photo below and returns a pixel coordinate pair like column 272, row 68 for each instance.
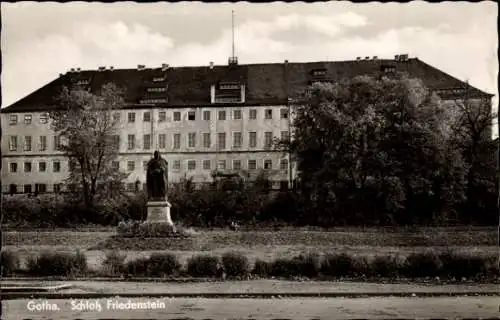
column 229, row 86
column 318, row 72
column 228, row 92
column 388, row 69
column 153, row 101
column 157, row 89
column 158, row 79
column 82, row 82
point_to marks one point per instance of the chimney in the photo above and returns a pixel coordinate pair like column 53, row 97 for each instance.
column 396, row 57
column 375, row 57
column 72, row 70
column 111, row 68
column 141, row 67
column 358, row 58
column 211, row 65
column 286, row 61
column 164, row 66
column 78, row 69
column 102, row 68
column 367, row 58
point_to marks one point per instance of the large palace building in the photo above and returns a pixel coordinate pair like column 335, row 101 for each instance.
column 201, row 119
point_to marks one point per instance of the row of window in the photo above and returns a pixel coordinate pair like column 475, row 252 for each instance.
column 162, row 116
column 190, row 165
column 42, row 166
column 130, row 187
column 28, row 118
column 191, row 141
column 207, row 165
column 28, row 143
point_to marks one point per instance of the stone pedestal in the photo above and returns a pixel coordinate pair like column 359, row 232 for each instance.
column 159, row 211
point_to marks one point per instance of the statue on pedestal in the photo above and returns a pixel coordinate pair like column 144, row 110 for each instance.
column 157, row 178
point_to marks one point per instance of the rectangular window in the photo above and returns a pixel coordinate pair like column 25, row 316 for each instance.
column 268, row 139
column 237, row 140
column 42, row 166
column 191, row 115
column 40, row 187
column 236, row 164
column 27, row 118
column 191, row 165
column 147, row 142
column 252, row 137
column 146, row 117
column 222, row 115
column 177, row 164
column 27, row 143
column 252, row 114
column 284, row 135
column 115, row 165
column 56, row 166
column 131, row 117
column 177, row 116
column 284, row 164
column 283, row 113
column 43, row 143
column 27, row 188
column 57, row 187
column 115, row 140
column 221, row 165
column 268, row 164
column 206, row 140
column 57, row 143
column 221, row 140
column 130, row 165
column 252, row 164
column 44, row 118
column 157, row 89
column 177, row 141
column 130, row 187
column 13, row 143
column 162, row 116
column 131, row 142
column 237, row 114
column 116, row 117
column 191, row 140
column 162, row 140
column 27, row 167
column 268, row 113
column 13, row 167
column 13, row 119
column 206, row 115
column 207, row 165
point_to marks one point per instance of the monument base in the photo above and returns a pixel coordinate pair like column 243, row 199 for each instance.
column 159, row 211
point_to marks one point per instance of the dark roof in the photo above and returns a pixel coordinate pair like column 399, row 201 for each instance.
column 265, row 83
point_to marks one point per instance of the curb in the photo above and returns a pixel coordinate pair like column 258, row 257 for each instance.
column 267, row 295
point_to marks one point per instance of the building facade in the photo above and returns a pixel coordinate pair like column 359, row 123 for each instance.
column 201, row 119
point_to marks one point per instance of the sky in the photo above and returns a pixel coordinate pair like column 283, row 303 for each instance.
column 41, row 40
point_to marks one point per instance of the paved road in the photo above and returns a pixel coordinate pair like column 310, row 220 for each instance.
column 317, row 308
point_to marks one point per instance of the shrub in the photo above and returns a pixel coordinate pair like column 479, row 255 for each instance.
column 339, row 265
column 424, row 264
column 137, row 267
column 57, row 264
column 285, row 268
column 462, row 265
column 203, row 266
column 384, row 266
column 235, row 264
column 309, row 264
column 113, row 263
column 161, row 264
column 9, row 263
column 262, row 268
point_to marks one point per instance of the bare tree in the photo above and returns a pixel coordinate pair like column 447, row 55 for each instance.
column 87, row 127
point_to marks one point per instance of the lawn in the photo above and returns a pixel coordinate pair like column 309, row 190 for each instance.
column 265, row 245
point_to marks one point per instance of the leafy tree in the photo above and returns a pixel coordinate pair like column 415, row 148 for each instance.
column 373, row 150
column 87, row 128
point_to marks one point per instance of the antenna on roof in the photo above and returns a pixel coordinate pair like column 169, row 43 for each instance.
column 233, row 59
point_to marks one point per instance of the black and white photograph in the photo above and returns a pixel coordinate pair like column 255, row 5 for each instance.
column 242, row 160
